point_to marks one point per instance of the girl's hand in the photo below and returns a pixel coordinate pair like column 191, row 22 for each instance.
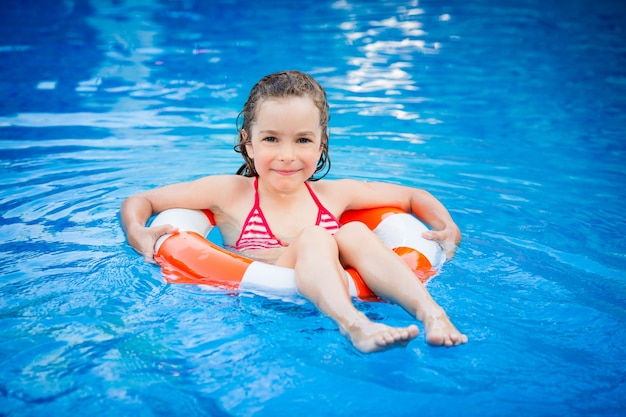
column 448, row 238
column 143, row 239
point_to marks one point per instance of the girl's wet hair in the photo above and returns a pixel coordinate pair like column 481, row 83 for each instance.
column 281, row 85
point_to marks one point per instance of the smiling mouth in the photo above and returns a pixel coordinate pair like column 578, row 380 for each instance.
column 285, row 171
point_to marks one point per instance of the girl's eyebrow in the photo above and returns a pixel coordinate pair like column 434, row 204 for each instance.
column 268, row 132
column 275, row 132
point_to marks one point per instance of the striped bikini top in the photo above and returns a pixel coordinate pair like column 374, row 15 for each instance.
column 256, row 233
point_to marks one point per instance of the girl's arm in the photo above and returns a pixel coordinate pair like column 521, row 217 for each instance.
column 136, row 210
column 431, row 211
column 420, row 203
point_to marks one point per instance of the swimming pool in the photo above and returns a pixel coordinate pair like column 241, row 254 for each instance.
column 513, row 115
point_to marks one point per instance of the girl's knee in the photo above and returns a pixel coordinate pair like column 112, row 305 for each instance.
column 354, row 230
column 316, row 237
column 354, row 240
column 313, row 241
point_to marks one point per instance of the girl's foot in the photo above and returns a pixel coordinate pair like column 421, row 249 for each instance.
column 368, row 336
column 441, row 332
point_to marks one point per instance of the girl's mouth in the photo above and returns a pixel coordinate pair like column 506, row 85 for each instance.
column 285, row 172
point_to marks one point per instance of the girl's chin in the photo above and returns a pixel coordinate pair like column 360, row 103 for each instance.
column 286, row 180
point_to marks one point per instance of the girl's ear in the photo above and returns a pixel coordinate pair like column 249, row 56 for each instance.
column 248, row 142
column 324, row 144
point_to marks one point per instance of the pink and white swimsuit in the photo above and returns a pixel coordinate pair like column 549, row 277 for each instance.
column 256, row 233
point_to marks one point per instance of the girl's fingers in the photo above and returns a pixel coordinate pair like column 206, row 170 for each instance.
column 164, row 229
column 446, row 242
column 147, row 238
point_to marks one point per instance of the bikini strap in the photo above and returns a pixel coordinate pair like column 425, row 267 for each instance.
column 324, row 217
column 317, row 201
column 256, row 193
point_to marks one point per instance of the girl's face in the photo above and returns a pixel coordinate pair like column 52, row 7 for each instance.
column 286, row 141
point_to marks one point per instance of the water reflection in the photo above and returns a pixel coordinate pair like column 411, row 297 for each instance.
column 47, row 49
column 389, row 48
column 102, row 99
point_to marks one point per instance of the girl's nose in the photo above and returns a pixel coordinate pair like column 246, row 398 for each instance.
column 286, row 152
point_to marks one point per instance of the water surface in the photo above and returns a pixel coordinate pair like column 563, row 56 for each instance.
column 512, row 114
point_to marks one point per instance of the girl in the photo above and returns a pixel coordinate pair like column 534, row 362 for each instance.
column 276, row 211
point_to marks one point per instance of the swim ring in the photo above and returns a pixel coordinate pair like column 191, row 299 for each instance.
column 187, row 256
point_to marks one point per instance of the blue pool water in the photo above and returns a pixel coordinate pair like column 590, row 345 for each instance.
column 512, row 113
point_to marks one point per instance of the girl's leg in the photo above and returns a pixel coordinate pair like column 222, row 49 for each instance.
column 321, row 279
column 390, row 278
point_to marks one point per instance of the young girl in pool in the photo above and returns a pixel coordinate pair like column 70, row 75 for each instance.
column 276, row 211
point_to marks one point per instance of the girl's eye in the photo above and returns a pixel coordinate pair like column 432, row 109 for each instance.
column 270, row 139
column 304, row 140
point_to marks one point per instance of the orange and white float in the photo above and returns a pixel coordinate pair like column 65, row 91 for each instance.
column 188, row 257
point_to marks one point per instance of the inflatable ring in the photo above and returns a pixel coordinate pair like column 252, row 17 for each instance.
column 187, row 256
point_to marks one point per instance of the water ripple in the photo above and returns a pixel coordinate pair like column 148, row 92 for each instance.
column 511, row 115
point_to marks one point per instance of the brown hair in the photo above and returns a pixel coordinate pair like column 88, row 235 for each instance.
column 278, row 85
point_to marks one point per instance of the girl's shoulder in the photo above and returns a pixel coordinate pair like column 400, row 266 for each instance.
column 226, row 195
column 339, row 185
column 338, row 192
column 356, row 194
column 220, row 189
column 231, row 181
